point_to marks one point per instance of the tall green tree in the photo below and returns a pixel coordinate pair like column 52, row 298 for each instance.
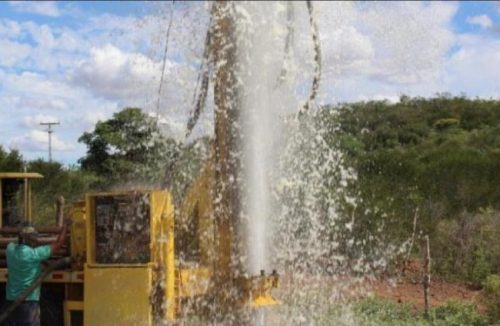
column 127, row 148
column 10, row 161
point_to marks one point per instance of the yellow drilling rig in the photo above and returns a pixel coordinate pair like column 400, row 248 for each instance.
column 134, row 261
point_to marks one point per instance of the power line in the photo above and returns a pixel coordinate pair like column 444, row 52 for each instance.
column 50, row 131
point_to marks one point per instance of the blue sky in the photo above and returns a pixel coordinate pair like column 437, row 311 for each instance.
column 78, row 62
column 474, row 9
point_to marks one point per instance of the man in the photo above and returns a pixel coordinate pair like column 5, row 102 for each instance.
column 24, row 267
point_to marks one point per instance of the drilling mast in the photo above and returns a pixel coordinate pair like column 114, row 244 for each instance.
column 227, row 146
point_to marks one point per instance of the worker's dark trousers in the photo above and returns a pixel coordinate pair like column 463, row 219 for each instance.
column 26, row 314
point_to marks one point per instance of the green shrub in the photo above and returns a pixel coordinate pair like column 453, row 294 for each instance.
column 457, row 314
column 371, row 312
column 384, row 310
column 446, row 123
column 492, row 297
column 481, row 267
column 377, row 311
column 468, row 249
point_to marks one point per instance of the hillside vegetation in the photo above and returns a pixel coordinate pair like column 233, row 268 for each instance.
column 434, row 161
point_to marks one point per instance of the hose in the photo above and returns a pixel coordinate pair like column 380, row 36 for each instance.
column 20, row 299
column 317, row 59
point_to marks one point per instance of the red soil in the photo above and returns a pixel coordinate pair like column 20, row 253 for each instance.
column 409, row 289
column 440, row 292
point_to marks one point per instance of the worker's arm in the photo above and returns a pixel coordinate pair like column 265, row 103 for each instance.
column 61, row 239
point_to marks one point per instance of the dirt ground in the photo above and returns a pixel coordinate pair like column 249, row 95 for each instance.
column 408, row 289
column 440, row 292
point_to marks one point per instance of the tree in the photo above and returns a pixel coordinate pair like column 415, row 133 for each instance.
column 69, row 182
column 10, row 162
column 127, row 148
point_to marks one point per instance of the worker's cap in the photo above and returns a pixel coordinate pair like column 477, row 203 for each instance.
column 28, row 231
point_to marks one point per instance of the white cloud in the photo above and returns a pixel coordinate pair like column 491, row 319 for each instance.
column 9, row 28
column 55, row 49
column 69, row 40
column 127, row 33
column 111, row 22
column 84, row 74
column 374, row 48
column 484, row 21
column 44, row 8
column 34, row 90
column 41, row 34
column 35, row 120
column 37, row 141
column 474, row 68
column 90, row 118
column 411, row 39
column 12, row 53
column 40, row 47
column 114, row 74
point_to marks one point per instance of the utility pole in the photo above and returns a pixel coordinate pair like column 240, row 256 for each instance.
column 50, row 131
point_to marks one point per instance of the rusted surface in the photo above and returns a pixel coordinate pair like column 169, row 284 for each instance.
column 227, row 143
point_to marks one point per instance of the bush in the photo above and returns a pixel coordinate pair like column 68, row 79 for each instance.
column 69, row 182
column 371, row 312
column 384, row 311
column 492, row 297
column 457, row 314
column 377, row 311
column 481, row 267
column 442, row 124
column 468, row 248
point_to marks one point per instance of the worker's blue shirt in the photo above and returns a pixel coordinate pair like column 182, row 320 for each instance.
column 23, row 264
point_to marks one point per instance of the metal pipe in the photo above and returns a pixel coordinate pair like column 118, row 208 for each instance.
column 26, row 204
column 1, row 203
column 59, row 211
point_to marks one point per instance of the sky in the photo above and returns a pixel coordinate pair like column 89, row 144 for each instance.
column 79, row 62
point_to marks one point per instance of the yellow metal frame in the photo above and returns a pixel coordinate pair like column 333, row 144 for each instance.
column 118, row 295
column 68, row 307
column 78, row 235
column 162, row 247
column 26, row 176
column 194, row 281
column 199, row 194
column 160, row 269
column 20, row 175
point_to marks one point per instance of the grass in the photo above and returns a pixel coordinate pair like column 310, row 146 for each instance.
column 375, row 311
